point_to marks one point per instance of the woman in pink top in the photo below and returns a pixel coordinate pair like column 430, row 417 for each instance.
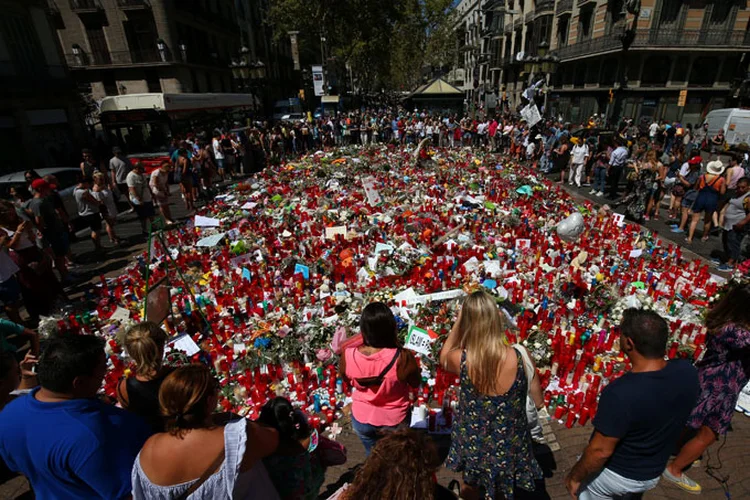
column 381, row 373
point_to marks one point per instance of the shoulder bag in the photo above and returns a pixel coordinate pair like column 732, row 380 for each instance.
column 376, row 381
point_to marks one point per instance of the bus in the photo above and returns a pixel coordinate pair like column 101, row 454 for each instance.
column 143, row 125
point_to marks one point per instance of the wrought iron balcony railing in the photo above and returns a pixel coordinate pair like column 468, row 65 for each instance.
column 85, row 5
column 564, row 6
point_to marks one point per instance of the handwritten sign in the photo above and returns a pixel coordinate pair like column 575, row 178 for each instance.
column 373, row 196
column 201, row 221
column 185, row 343
column 419, row 340
column 619, row 219
column 332, row 232
column 432, row 297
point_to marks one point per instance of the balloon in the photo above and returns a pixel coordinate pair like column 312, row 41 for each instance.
column 571, row 228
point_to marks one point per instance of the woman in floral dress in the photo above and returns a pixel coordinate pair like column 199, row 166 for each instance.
column 490, row 441
column 723, row 372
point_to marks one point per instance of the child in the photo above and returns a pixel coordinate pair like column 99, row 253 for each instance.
column 295, row 469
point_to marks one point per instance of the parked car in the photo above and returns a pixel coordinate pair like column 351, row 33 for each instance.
column 67, row 178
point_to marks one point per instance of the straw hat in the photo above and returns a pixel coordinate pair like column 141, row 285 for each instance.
column 715, row 167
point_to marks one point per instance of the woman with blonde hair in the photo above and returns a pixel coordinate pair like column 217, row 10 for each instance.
column 139, row 393
column 201, row 455
column 490, row 440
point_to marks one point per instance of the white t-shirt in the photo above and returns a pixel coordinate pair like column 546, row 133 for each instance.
column 158, row 183
column 530, row 149
column 138, row 183
column 23, row 241
column 218, row 153
column 685, row 169
column 579, row 153
column 652, row 129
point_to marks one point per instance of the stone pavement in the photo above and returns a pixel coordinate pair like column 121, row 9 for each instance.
column 734, row 459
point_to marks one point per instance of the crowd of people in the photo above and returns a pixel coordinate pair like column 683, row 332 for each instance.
column 167, row 440
column 163, row 437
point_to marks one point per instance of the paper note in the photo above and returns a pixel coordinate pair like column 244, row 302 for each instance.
column 384, row 247
column 619, row 219
column 246, row 275
column 373, row 197
column 492, row 268
column 303, row 270
column 210, row 241
column 201, row 221
column 634, row 254
column 120, row 314
column 185, row 343
column 447, row 295
column 407, row 294
column 241, row 259
column 419, row 340
column 332, row 232
column 249, row 205
column 523, row 244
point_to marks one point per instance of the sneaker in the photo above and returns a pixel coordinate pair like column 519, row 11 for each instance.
column 716, row 262
column 725, row 268
column 683, row 482
column 600, row 193
column 593, row 191
column 646, row 218
column 677, row 230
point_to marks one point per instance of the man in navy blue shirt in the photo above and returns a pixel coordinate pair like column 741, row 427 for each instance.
column 640, row 415
column 61, row 437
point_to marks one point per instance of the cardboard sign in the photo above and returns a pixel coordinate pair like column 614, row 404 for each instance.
column 419, row 340
column 332, row 232
column 432, row 297
column 373, row 196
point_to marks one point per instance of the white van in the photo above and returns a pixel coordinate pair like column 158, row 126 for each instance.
column 734, row 121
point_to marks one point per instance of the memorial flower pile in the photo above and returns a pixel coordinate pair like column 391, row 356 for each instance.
column 268, row 280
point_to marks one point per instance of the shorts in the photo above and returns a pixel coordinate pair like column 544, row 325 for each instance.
column 59, row 242
column 705, row 202
column 144, row 210
column 93, row 221
column 10, row 291
column 122, row 189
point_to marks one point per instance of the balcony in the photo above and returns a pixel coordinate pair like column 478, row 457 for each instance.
column 133, row 4
column 564, row 7
column 85, row 6
column 659, row 39
column 581, row 3
column 117, row 58
column 543, row 6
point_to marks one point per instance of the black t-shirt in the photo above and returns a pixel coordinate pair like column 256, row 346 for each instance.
column 647, row 411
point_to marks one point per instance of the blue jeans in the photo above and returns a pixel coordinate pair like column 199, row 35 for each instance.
column 369, row 434
column 600, row 179
column 610, row 485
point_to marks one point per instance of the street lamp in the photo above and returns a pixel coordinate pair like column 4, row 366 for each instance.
column 183, row 51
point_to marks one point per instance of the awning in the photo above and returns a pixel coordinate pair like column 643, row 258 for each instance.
column 329, row 99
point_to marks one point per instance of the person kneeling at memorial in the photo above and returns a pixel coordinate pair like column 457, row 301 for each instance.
column 640, row 415
column 68, row 443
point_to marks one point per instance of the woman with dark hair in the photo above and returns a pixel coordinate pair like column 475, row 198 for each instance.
column 381, row 372
column 295, row 468
column 401, row 467
column 199, row 456
column 723, row 372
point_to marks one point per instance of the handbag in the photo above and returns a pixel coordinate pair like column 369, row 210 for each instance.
column 376, row 381
column 331, row 452
column 532, row 415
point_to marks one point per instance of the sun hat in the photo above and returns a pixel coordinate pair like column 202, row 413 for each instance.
column 715, row 167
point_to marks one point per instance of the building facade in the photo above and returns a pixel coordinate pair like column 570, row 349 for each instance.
column 115, row 47
column 696, row 46
column 40, row 118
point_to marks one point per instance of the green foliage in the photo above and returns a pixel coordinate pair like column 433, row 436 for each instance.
column 385, row 43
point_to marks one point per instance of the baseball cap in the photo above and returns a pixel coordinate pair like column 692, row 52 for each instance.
column 40, row 184
column 695, row 160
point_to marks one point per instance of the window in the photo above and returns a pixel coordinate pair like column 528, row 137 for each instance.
column 670, row 13
column 152, row 81
column 140, row 31
column 563, row 28
column 110, row 85
column 616, row 15
column 98, row 44
column 585, row 23
column 22, row 43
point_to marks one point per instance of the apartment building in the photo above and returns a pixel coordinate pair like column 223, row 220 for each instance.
column 693, row 45
column 115, row 47
column 40, row 119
